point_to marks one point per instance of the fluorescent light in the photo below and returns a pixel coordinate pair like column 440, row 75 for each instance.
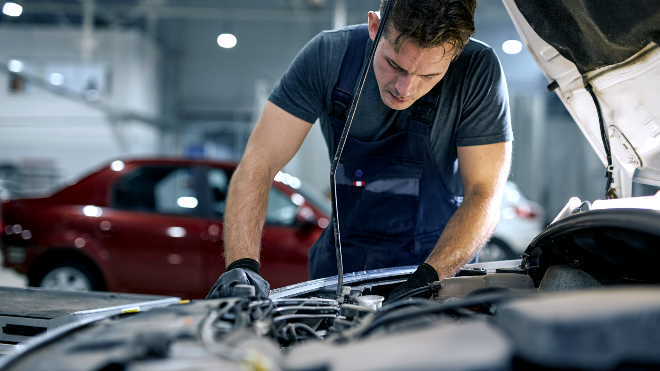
column 512, row 46
column 56, row 78
column 117, row 165
column 187, row 202
column 15, row 66
column 12, row 9
column 227, row 40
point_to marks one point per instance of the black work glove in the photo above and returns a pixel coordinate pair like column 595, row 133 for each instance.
column 422, row 277
column 240, row 272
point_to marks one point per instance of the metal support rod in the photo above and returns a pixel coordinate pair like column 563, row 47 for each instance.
column 340, row 149
column 340, row 18
column 87, row 42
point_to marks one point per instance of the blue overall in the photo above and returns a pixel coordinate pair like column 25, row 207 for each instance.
column 392, row 202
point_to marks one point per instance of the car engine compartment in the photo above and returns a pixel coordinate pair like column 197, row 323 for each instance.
column 496, row 321
column 569, row 304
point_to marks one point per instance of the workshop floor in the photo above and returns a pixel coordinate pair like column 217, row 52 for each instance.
column 9, row 277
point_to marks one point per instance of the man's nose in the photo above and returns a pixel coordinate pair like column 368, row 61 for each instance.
column 405, row 85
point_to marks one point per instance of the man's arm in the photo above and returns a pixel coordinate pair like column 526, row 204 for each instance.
column 276, row 137
column 484, row 170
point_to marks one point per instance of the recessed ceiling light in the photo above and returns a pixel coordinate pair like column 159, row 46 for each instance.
column 512, row 46
column 12, row 9
column 227, row 40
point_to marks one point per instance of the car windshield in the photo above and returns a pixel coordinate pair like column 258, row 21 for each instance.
column 316, row 198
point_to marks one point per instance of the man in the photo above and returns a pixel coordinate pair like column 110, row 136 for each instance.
column 432, row 123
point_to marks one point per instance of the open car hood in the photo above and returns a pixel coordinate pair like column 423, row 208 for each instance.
column 612, row 46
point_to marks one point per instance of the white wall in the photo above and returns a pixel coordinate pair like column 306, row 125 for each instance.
column 74, row 133
column 311, row 163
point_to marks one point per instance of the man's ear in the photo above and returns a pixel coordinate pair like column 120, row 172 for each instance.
column 374, row 22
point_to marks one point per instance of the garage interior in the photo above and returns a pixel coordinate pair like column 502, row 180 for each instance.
column 103, row 86
column 142, row 78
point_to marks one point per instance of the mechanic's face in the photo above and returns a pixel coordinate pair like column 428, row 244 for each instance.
column 406, row 76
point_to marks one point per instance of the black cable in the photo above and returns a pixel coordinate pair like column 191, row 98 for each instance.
column 294, row 327
column 414, row 292
column 466, row 302
column 340, row 149
column 609, row 192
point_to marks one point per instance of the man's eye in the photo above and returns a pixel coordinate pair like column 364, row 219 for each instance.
column 396, row 68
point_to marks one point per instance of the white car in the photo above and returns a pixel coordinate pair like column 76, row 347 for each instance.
column 520, row 221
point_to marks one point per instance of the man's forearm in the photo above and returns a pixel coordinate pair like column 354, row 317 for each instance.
column 275, row 139
column 247, row 202
column 467, row 230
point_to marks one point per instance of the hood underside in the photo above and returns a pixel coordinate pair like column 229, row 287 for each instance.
column 613, row 46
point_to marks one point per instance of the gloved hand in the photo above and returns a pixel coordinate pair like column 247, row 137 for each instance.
column 424, row 275
column 240, row 272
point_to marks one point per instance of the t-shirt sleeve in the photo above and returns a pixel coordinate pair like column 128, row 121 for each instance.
column 485, row 118
column 301, row 91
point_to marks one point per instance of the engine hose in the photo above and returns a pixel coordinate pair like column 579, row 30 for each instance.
column 340, row 149
column 398, row 315
column 429, row 289
column 294, row 327
column 609, row 192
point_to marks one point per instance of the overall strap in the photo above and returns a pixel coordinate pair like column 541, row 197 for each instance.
column 349, row 72
column 424, row 110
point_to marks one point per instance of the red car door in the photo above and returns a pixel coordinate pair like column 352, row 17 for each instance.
column 285, row 240
column 152, row 231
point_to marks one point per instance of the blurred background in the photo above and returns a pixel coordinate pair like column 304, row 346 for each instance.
column 86, row 81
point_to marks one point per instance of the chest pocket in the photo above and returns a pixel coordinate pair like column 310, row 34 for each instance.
column 379, row 195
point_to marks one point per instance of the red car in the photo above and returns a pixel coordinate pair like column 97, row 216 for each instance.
column 155, row 227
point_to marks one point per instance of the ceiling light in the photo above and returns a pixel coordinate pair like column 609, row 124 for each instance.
column 56, row 78
column 12, row 9
column 512, row 46
column 15, row 66
column 227, row 40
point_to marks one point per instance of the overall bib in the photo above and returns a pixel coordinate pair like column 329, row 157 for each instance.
column 392, row 202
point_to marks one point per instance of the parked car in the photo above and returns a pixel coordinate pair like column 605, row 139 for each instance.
column 153, row 226
column 520, row 221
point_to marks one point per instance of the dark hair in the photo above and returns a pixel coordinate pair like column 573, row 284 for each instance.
column 431, row 23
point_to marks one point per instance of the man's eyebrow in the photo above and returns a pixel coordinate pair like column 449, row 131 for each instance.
column 399, row 67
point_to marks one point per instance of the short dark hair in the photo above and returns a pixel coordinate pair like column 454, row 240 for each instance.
column 431, row 23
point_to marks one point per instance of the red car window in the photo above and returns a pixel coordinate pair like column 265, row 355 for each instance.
column 159, row 189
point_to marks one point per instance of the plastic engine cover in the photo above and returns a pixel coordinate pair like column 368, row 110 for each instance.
column 595, row 330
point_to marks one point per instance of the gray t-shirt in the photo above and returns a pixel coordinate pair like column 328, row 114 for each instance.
column 473, row 107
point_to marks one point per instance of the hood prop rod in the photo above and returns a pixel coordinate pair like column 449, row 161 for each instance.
column 340, row 149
